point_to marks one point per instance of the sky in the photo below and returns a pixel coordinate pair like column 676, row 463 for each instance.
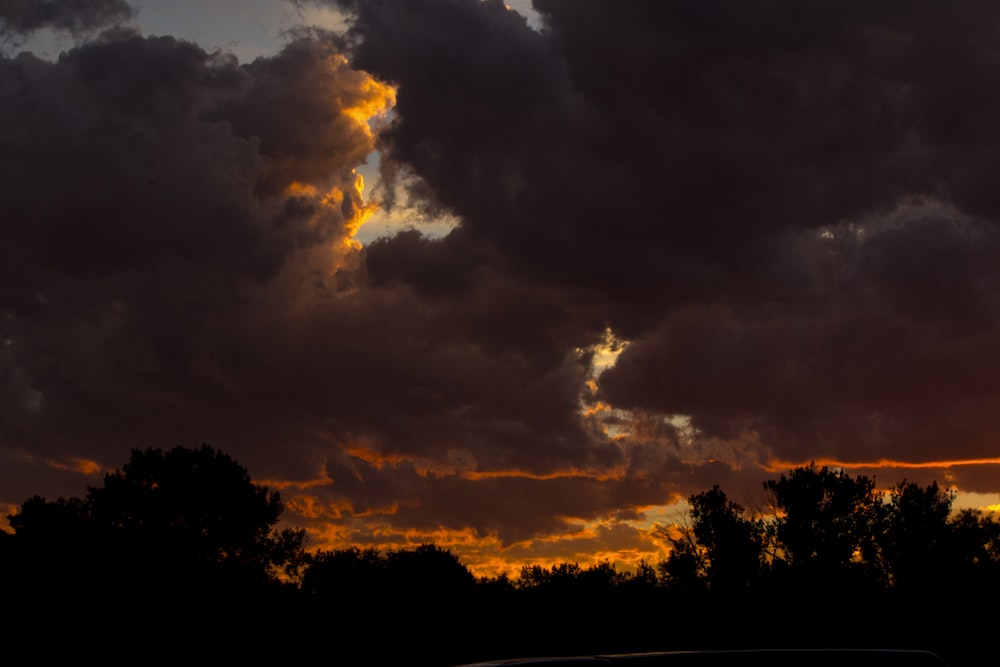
column 513, row 280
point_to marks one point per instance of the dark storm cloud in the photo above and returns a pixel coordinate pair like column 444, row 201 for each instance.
column 787, row 210
column 885, row 356
column 441, row 381
column 635, row 117
column 75, row 16
column 294, row 109
column 786, row 207
column 700, row 128
column 146, row 229
column 175, row 227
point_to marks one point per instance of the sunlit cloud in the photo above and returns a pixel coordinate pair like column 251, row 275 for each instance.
column 603, row 476
column 83, row 466
column 783, row 466
column 370, row 105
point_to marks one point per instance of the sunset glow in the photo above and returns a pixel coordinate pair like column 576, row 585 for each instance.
column 782, row 466
column 516, row 279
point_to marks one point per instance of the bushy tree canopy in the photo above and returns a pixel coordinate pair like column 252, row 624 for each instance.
column 180, row 520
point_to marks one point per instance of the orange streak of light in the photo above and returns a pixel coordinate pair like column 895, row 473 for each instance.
column 442, row 537
column 422, row 466
column 282, row 484
column 781, row 466
column 83, row 466
column 387, row 510
column 611, row 476
column 376, row 459
column 308, row 507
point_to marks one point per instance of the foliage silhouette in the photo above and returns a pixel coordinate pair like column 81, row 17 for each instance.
column 188, row 527
column 733, row 543
column 825, row 523
column 165, row 523
column 915, row 543
column 829, row 527
column 351, row 575
column 197, row 512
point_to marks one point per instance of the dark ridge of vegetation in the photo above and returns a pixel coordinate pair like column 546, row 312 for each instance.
column 178, row 554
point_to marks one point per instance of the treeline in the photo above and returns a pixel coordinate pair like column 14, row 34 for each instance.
column 824, row 526
column 180, row 551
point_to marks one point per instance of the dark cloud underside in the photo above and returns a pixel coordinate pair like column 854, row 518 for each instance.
column 787, row 209
column 74, row 16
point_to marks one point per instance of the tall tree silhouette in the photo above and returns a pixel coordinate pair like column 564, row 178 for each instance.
column 733, row 543
column 722, row 548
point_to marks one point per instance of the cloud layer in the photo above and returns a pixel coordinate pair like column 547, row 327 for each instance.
column 784, row 216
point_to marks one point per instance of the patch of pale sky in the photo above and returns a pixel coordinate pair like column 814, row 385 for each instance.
column 987, row 502
column 257, row 29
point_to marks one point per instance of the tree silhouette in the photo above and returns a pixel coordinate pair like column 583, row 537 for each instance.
column 197, row 512
column 164, row 523
column 827, row 527
column 428, row 572
column 825, row 523
column 685, row 568
column 351, row 576
column 722, row 549
column 915, row 542
column 733, row 543
column 55, row 542
column 974, row 541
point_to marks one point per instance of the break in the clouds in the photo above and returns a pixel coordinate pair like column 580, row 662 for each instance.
column 695, row 241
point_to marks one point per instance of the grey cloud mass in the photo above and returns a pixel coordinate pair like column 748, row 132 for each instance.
column 785, row 212
column 784, row 207
column 74, row 16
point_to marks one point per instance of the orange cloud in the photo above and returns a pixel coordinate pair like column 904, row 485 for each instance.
column 422, row 466
column 76, row 464
column 376, row 459
column 371, row 100
column 608, row 476
column 280, row 484
column 310, row 508
column 784, row 466
column 4, row 520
